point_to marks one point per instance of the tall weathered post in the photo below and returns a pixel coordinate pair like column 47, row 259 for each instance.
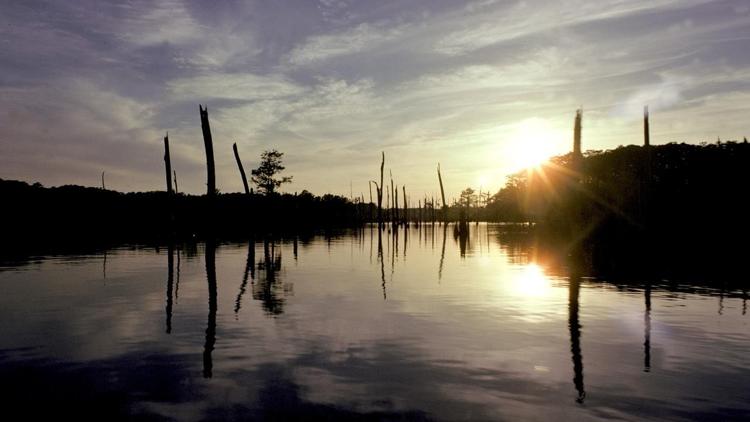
column 168, row 164
column 379, row 192
column 647, row 174
column 572, row 203
column 242, row 169
column 395, row 207
column 577, row 137
column 646, row 134
column 208, row 141
column 405, row 217
column 442, row 194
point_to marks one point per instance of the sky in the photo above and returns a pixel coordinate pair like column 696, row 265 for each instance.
column 477, row 86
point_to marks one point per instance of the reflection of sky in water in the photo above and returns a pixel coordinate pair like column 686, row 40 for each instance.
column 486, row 335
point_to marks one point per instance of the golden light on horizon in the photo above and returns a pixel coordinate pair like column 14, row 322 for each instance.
column 534, row 142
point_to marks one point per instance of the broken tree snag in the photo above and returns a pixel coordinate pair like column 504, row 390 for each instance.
column 380, row 191
column 167, row 164
column 242, row 169
column 646, row 135
column 175, row 181
column 577, row 135
column 405, row 217
column 208, row 141
column 442, row 194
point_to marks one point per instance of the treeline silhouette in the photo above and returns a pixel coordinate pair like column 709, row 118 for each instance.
column 637, row 206
column 658, row 188
column 70, row 214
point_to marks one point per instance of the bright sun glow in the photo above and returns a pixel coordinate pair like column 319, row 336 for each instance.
column 532, row 282
column 534, row 142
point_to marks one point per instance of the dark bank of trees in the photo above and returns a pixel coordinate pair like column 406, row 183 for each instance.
column 69, row 214
column 644, row 187
column 669, row 205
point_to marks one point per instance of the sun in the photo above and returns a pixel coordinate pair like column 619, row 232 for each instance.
column 535, row 141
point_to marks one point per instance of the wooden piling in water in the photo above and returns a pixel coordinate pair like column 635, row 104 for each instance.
column 577, row 154
column 242, row 169
column 405, row 217
column 208, row 142
column 646, row 134
column 168, row 164
column 442, row 194
column 379, row 191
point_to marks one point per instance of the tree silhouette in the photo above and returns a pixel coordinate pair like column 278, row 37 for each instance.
column 265, row 175
column 468, row 197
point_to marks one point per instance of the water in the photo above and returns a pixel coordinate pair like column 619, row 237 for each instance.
column 431, row 328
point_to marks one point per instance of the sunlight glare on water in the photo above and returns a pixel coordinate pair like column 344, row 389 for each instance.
column 401, row 324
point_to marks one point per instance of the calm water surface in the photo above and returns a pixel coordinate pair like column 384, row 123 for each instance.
column 418, row 326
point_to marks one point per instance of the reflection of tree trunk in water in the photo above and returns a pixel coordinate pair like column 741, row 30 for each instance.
column 294, row 247
column 382, row 264
column 177, row 282
column 211, row 326
column 395, row 241
column 463, row 239
column 721, row 301
column 249, row 265
column 406, row 239
column 394, row 250
column 170, row 278
column 647, row 330
column 104, row 266
column 744, row 301
column 432, row 235
column 575, row 336
column 442, row 253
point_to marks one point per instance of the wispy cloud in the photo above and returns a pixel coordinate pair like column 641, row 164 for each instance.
column 355, row 40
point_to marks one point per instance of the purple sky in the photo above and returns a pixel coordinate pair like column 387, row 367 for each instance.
column 88, row 86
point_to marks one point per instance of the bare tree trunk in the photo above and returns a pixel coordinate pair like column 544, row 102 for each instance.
column 646, row 135
column 395, row 207
column 380, row 191
column 405, row 217
column 175, row 181
column 168, row 164
column 442, row 194
column 394, row 199
column 242, row 169
column 208, row 141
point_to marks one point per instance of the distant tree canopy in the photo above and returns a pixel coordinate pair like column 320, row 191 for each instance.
column 265, row 176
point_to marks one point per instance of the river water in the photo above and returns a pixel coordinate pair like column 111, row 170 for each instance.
column 416, row 324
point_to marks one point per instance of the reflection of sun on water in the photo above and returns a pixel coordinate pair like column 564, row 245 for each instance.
column 531, row 293
column 531, row 282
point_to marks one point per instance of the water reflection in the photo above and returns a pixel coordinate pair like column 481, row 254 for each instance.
column 268, row 289
column 208, row 346
column 647, row 329
column 382, row 262
column 442, row 252
column 574, row 287
column 170, row 280
column 498, row 339
column 249, row 273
